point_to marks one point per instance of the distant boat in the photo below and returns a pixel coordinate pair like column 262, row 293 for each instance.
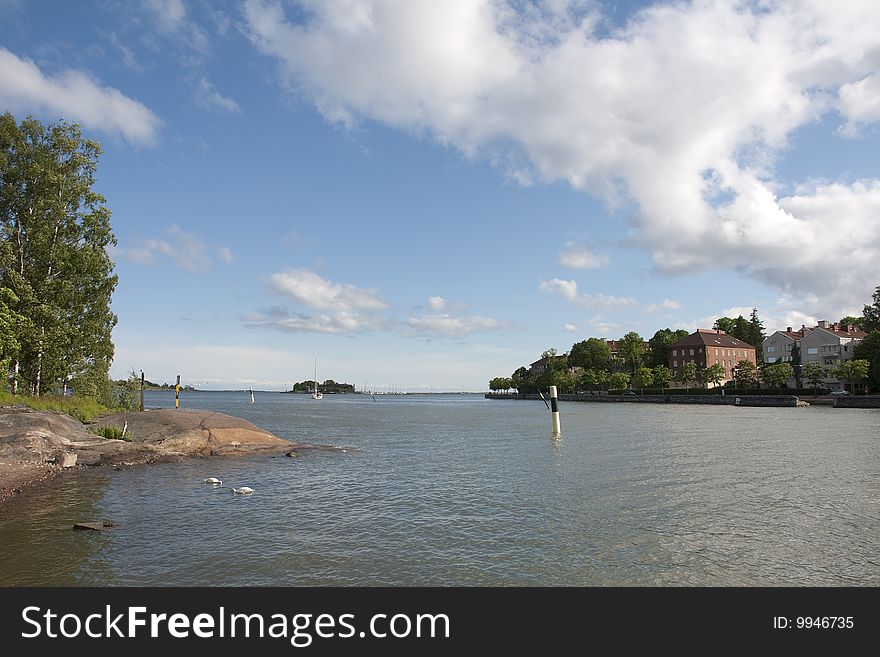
column 317, row 393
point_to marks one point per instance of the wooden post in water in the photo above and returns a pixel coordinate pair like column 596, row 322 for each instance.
column 554, row 411
column 177, row 392
column 142, row 390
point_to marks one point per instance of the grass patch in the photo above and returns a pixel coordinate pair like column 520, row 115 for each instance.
column 110, row 432
column 83, row 409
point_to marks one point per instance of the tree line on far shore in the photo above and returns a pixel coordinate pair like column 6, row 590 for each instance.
column 590, row 364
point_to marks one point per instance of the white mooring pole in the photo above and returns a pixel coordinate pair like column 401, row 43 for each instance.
column 554, row 411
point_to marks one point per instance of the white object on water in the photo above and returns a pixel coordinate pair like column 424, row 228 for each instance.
column 554, row 411
column 316, row 394
column 252, row 395
column 244, row 490
column 213, row 480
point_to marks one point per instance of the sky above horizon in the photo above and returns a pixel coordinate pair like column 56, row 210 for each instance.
column 429, row 194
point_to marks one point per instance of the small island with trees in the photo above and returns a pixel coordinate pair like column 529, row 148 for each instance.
column 329, row 387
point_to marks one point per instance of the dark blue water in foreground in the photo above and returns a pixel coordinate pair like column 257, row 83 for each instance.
column 460, row 490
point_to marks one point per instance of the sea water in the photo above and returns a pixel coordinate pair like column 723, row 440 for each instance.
column 460, row 490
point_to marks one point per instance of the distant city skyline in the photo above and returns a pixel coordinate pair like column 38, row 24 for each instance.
column 428, row 195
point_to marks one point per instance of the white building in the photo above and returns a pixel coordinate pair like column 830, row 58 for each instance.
column 828, row 344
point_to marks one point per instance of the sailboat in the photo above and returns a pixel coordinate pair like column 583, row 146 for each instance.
column 317, row 393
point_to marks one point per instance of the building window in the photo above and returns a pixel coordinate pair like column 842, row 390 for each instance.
column 813, row 351
column 675, row 363
column 692, row 352
column 770, row 350
column 675, row 352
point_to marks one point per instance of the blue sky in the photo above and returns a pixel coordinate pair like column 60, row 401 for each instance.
column 429, row 194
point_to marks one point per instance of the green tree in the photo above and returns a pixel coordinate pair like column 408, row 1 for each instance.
column 778, row 374
column 643, row 378
column 662, row 376
column 658, row 346
column 592, row 353
column 55, row 231
column 737, row 328
column 871, row 314
column 745, row 374
column 588, row 380
column 688, row 373
column 563, row 380
column 520, row 378
column 814, row 373
column 10, row 322
column 631, row 349
column 852, row 371
column 618, row 380
column 725, row 324
column 796, row 364
column 858, row 322
column 869, row 350
column 755, row 336
column 713, row 374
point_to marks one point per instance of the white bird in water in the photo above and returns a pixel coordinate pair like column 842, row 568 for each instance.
column 213, row 480
column 244, row 490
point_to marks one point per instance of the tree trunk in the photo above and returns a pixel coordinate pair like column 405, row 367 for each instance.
column 15, row 377
column 39, row 363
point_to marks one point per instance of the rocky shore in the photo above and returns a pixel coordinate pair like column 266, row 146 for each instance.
column 36, row 445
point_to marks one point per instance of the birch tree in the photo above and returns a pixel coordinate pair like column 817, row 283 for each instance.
column 55, row 231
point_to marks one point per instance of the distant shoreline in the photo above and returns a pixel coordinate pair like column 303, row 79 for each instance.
column 776, row 401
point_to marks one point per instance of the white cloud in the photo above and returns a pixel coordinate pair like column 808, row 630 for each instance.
column 339, row 323
column 570, row 328
column 226, row 254
column 577, row 256
column 209, row 98
column 568, row 290
column 448, row 325
column 683, row 110
column 187, row 250
column 436, row 303
column 77, row 97
column 666, row 304
column 308, row 288
column 171, row 18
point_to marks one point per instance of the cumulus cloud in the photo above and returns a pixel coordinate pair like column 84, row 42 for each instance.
column 339, row 323
column 77, row 97
column 450, row 326
column 682, row 110
column 436, row 303
column 570, row 328
column 309, row 289
column 187, row 250
column 577, row 256
column 568, row 290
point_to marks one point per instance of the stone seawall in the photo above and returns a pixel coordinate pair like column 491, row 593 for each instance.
column 788, row 401
column 858, row 401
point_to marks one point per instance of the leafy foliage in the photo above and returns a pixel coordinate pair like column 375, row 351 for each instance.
column 54, row 231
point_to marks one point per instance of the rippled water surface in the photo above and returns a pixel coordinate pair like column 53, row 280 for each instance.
column 460, row 490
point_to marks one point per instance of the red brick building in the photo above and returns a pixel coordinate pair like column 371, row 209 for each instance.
column 706, row 347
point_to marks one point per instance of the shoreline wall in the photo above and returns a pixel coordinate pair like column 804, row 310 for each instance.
column 715, row 400
column 785, row 401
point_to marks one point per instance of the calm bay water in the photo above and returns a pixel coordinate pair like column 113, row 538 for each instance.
column 460, row 490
